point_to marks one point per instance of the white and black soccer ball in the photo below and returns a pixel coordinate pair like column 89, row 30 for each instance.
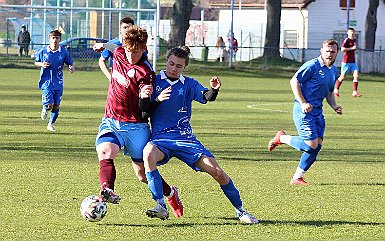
column 93, row 208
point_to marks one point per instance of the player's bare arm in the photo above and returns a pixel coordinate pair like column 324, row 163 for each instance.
column 42, row 64
column 103, row 67
column 306, row 107
column 332, row 102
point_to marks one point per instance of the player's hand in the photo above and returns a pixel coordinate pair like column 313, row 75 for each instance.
column 338, row 109
column 164, row 95
column 146, row 91
column 98, row 47
column 306, row 107
column 71, row 68
column 45, row 65
column 215, row 83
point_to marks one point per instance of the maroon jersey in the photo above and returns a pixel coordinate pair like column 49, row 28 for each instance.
column 123, row 92
column 349, row 55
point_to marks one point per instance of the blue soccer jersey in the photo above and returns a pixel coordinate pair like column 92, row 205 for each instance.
column 106, row 54
column 52, row 77
column 316, row 80
column 173, row 115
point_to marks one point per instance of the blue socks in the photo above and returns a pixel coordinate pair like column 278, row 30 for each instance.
column 298, row 143
column 232, row 194
column 308, row 158
column 155, row 185
column 53, row 116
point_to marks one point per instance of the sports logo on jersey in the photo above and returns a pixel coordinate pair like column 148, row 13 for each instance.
column 120, row 78
column 321, row 73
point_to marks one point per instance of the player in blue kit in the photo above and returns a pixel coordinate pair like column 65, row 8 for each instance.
column 51, row 60
column 124, row 25
column 170, row 105
column 311, row 84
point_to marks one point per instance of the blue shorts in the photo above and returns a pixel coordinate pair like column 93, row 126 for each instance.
column 51, row 96
column 311, row 125
column 187, row 150
column 347, row 68
column 132, row 136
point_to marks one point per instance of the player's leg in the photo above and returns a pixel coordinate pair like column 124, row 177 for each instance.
column 26, row 50
column 344, row 70
column 21, row 51
column 211, row 166
column 151, row 156
column 108, row 143
column 309, row 140
column 57, row 95
column 355, row 81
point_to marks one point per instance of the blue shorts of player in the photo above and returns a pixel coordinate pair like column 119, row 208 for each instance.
column 311, row 125
column 189, row 150
column 347, row 68
column 51, row 96
column 132, row 136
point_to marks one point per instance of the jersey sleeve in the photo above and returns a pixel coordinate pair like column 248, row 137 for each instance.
column 68, row 59
column 199, row 91
column 39, row 56
column 305, row 72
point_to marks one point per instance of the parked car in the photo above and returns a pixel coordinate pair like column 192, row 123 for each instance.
column 82, row 47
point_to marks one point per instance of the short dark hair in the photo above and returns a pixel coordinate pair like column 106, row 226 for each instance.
column 127, row 20
column 182, row 52
column 55, row 33
column 330, row 42
column 351, row 29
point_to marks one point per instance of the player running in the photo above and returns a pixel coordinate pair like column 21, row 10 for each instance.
column 311, row 84
column 51, row 60
column 349, row 65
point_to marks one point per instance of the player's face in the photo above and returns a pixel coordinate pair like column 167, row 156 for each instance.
column 54, row 42
column 175, row 66
column 124, row 27
column 134, row 55
column 350, row 34
column 329, row 54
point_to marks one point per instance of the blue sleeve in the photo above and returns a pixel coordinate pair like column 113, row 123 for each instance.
column 68, row 59
column 305, row 72
column 199, row 92
column 106, row 54
column 39, row 56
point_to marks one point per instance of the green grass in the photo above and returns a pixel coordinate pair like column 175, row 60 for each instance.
column 44, row 176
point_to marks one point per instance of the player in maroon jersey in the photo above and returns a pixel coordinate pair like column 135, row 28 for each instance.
column 348, row 65
column 123, row 124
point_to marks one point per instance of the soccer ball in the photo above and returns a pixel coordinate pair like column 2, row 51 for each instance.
column 93, row 208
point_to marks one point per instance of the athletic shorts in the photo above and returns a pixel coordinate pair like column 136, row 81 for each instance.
column 187, row 150
column 132, row 136
column 51, row 96
column 311, row 125
column 347, row 68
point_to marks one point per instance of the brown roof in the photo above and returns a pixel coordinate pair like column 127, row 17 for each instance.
column 255, row 3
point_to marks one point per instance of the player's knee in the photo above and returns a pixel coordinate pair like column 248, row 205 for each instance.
column 106, row 151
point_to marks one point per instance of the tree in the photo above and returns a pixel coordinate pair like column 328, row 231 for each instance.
column 371, row 25
column 180, row 22
column 273, row 29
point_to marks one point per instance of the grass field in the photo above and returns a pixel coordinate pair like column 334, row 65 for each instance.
column 44, row 176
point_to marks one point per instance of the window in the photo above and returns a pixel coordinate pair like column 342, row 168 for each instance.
column 290, row 38
column 344, row 4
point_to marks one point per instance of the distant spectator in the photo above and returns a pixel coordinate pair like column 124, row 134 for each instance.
column 220, row 48
column 235, row 46
column 23, row 40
